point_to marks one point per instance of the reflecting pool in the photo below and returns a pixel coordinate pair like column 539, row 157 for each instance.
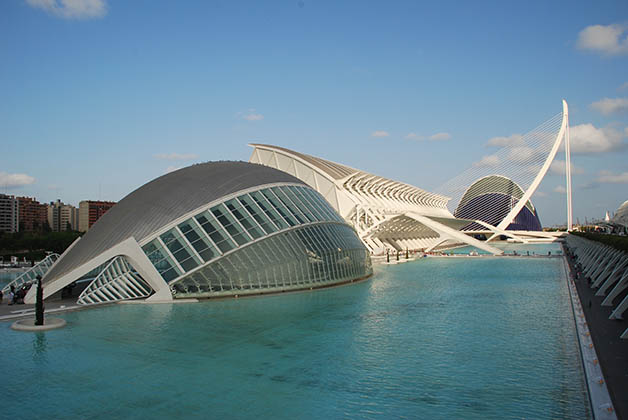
column 537, row 249
column 471, row 338
column 7, row 276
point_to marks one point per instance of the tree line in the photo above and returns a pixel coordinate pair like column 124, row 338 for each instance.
column 33, row 245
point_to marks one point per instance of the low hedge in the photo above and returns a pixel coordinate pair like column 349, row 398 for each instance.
column 616, row 241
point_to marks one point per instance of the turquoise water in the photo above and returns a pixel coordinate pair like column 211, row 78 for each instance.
column 471, row 338
column 7, row 276
column 521, row 249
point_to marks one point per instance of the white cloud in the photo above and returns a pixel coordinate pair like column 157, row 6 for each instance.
column 539, row 193
column 560, row 189
column 609, row 106
column 586, row 138
column 380, row 133
column 72, row 9
column 513, row 140
column 607, row 177
column 176, row 156
column 558, row 168
column 608, row 40
column 253, row 117
column 172, row 169
column 440, row 136
column 624, row 86
column 414, row 136
column 487, row 162
column 15, row 180
column 521, row 154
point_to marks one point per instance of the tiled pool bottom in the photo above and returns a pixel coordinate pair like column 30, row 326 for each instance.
column 435, row 338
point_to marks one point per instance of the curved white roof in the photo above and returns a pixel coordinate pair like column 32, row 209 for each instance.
column 621, row 215
column 163, row 200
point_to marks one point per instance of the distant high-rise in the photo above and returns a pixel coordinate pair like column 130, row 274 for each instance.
column 62, row 217
column 33, row 215
column 9, row 214
column 91, row 211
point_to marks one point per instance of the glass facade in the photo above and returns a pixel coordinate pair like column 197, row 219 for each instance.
column 308, row 256
column 276, row 238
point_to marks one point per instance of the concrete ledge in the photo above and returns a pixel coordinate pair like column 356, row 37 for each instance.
column 28, row 324
column 146, row 302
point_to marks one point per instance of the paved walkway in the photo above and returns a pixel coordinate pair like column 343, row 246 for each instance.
column 611, row 350
column 14, row 312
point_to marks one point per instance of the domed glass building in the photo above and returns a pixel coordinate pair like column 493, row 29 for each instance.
column 491, row 198
column 208, row 230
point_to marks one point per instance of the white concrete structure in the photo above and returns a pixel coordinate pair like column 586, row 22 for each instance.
column 606, row 268
column 208, row 230
column 392, row 215
column 386, row 214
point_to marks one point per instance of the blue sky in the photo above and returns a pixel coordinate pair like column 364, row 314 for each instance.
column 98, row 97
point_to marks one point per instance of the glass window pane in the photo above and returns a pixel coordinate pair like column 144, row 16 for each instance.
column 269, row 210
column 279, row 207
column 198, row 240
column 215, row 232
column 243, row 217
column 289, row 205
column 230, row 225
column 307, row 201
column 257, row 213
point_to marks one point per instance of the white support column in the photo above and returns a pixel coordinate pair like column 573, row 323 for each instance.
column 621, row 308
column 568, row 169
column 607, row 269
column 622, row 284
column 612, row 278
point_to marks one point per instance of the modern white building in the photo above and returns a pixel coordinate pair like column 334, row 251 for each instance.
column 387, row 214
column 488, row 199
column 210, row 230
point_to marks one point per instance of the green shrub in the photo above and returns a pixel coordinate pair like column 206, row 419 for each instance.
column 616, row 241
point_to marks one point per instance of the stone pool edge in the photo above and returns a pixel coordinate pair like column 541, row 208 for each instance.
column 599, row 397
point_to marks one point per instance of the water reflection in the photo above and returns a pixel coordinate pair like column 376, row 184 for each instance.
column 40, row 347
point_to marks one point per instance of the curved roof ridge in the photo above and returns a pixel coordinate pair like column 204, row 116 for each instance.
column 339, row 171
column 163, row 200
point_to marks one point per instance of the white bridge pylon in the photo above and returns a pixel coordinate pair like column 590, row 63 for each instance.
column 392, row 215
column 525, row 161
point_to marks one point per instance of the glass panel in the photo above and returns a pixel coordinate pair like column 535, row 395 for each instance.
column 180, row 250
column 299, row 203
column 258, row 214
column 289, row 205
column 243, row 217
column 279, row 207
column 269, row 210
column 293, row 259
column 199, row 241
column 228, row 222
column 215, row 232
column 160, row 259
column 307, row 201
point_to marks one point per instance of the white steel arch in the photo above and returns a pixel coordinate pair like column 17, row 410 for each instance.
column 525, row 160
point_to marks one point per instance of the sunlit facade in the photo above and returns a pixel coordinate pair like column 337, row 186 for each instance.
column 209, row 230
